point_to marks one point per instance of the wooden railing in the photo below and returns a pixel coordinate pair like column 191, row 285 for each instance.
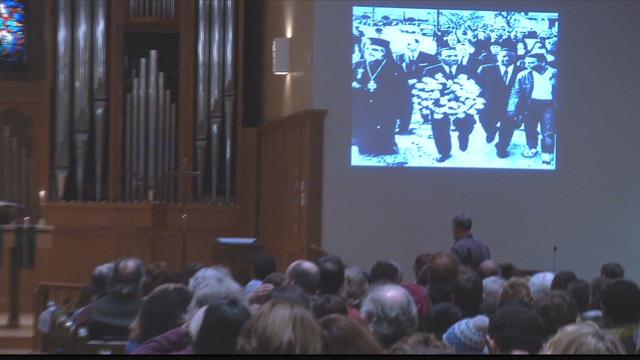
column 65, row 296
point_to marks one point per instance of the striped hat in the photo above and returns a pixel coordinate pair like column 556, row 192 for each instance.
column 467, row 336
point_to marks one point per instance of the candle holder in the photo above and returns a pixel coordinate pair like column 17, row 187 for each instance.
column 42, row 196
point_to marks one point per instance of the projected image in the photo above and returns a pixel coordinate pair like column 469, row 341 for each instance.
column 454, row 88
column 12, row 35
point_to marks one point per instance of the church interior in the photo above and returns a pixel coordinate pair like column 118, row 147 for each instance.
column 206, row 131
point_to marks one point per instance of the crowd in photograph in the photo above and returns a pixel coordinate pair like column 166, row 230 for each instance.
column 500, row 76
column 461, row 302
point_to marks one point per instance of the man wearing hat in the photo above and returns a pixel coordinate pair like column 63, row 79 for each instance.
column 381, row 96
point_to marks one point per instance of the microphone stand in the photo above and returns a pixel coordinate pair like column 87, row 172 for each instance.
column 555, row 250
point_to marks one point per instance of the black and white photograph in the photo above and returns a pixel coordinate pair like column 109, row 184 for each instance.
column 454, row 88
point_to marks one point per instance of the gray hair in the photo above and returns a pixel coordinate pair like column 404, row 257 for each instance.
column 390, row 312
column 355, row 285
column 540, row 284
column 491, row 287
column 211, row 284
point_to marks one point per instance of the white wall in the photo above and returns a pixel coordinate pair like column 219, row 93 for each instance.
column 588, row 207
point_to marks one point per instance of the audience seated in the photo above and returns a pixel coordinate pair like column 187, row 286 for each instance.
column 441, row 317
column 515, row 330
column 325, row 304
column 385, row 272
column 562, row 279
column 507, row 270
column 467, row 294
column 162, row 310
column 488, row 268
column 514, row 289
column 468, row 336
column 263, row 265
column 281, row 327
column 355, row 286
column 215, row 327
column 312, row 308
column 540, row 283
column 390, row 313
column 612, row 271
column 583, row 338
column 442, row 270
column 303, row 273
column 621, row 311
column 342, row 335
column 156, row 274
column 420, row 344
column 491, row 288
column 111, row 316
column 208, row 285
column 556, row 308
column 579, row 290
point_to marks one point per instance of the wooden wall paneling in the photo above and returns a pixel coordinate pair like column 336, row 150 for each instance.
column 290, row 168
column 116, row 18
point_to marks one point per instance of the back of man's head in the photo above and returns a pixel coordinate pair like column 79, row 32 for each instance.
column 420, row 262
column 516, row 329
column 540, row 283
column 442, row 267
column 612, row 270
column 621, row 303
column 293, row 294
column 213, row 284
column 331, row 274
column 441, row 317
column 562, row 279
column 557, row 309
column 491, row 288
column 126, row 280
column 462, row 222
column 305, row 274
column 263, row 265
column 100, row 278
column 390, row 313
column 507, row 270
column 488, row 268
column 467, row 294
column 579, row 290
column 385, row 272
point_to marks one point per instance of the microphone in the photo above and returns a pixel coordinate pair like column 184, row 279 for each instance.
column 555, row 251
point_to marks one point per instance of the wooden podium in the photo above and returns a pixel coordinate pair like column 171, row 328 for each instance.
column 15, row 239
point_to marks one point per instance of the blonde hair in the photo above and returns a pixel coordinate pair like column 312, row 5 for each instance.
column 583, row 338
column 281, row 327
column 515, row 289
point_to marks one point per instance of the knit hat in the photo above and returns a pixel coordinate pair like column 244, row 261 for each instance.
column 467, row 336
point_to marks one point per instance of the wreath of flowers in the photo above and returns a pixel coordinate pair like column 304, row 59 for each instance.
column 456, row 98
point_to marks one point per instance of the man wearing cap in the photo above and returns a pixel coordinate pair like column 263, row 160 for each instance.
column 381, row 96
column 534, row 98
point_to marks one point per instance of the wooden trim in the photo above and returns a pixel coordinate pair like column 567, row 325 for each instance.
column 115, row 83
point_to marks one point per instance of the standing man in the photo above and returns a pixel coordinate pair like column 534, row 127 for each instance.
column 496, row 81
column 380, row 96
column 413, row 62
column 470, row 250
column 450, row 69
column 534, row 98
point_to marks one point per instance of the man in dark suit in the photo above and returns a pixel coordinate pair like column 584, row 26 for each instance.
column 496, row 81
column 450, row 69
column 413, row 62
